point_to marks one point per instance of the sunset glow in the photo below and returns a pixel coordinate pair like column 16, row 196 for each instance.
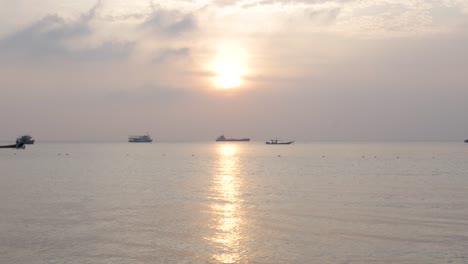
column 227, row 208
column 187, row 69
column 227, row 150
column 229, row 66
column 227, row 76
column 233, row 131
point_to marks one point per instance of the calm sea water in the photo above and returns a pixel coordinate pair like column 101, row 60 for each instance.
column 234, row 203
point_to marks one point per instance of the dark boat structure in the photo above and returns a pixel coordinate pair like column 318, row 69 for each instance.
column 222, row 138
column 140, row 139
column 466, row 141
column 27, row 139
column 278, row 142
column 19, row 145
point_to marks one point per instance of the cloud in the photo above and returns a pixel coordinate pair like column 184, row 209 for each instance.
column 263, row 3
column 358, row 18
column 170, row 22
column 303, row 2
column 109, row 50
column 390, row 18
column 171, row 55
column 48, row 38
column 324, row 16
column 43, row 38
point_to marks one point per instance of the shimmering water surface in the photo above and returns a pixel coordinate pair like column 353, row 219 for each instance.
column 234, row 203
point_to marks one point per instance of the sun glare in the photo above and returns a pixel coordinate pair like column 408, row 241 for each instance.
column 229, row 66
column 227, row 150
column 227, row 76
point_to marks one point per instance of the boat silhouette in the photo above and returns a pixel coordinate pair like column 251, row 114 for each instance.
column 19, row 145
column 27, row 139
column 222, row 138
column 140, row 139
column 278, row 142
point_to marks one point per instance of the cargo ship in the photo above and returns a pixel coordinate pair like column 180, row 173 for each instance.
column 222, row 138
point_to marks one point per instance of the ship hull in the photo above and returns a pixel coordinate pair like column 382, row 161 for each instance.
column 233, row 140
column 279, row 143
column 14, row 146
column 140, row 141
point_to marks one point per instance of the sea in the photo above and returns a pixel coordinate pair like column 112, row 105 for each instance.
column 207, row 202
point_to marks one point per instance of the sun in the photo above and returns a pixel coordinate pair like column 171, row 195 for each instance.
column 229, row 66
column 227, row 76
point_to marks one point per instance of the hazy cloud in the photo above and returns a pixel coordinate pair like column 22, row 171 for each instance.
column 170, row 22
column 305, row 2
column 109, row 50
column 249, row 3
column 168, row 55
column 48, row 37
column 324, row 16
column 43, row 38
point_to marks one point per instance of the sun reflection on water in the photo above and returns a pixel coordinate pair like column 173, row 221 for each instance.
column 226, row 207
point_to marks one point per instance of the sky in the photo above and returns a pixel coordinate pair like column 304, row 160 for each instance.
column 305, row 70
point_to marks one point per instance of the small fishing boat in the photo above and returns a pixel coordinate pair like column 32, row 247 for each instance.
column 278, row 142
column 466, row 141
